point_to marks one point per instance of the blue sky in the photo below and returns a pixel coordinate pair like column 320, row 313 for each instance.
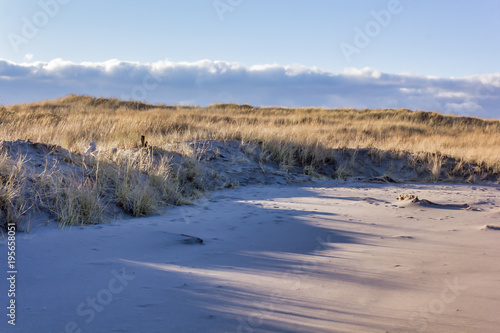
column 337, row 39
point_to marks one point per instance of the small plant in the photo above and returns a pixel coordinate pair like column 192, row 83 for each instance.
column 353, row 161
column 138, row 201
column 134, row 193
column 70, row 199
column 249, row 149
column 12, row 190
column 376, row 155
column 310, row 170
column 162, row 177
column 435, row 163
column 76, row 203
column 343, row 171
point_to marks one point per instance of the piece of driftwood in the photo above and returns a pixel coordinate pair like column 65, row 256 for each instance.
column 192, row 239
column 492, row 227
column 428, row 203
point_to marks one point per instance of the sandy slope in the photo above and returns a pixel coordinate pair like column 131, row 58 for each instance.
column 323, row 257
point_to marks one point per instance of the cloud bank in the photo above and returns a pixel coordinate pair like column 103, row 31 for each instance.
column 205, row 82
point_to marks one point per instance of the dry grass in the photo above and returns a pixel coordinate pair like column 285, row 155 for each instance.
column 290, row 135
column 79, row 192
column 13, row 201
column 141, row 185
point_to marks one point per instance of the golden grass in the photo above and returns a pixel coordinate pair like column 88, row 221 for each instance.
column 140, row 185
column 80, row 192
column 12, row 190
column 72, row 122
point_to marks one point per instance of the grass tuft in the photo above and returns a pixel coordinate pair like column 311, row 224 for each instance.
column 13, row 200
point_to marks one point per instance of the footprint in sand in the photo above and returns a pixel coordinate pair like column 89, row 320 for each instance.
column 405, row 237
column 146, row 305
column 278, row 220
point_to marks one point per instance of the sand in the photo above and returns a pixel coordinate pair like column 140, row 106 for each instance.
column 328, row 256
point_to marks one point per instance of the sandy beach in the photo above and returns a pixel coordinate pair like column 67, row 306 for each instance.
column 231, row 166
column 315, row 257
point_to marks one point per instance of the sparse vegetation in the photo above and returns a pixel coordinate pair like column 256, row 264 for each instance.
column 74, row 121
column 78, row 193
column 141, row 183
column 12, row 190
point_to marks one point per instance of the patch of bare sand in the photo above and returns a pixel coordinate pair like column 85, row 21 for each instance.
column 330, row 257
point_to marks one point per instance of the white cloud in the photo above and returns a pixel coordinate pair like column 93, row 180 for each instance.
column 468, row 108
column 363, row 72
column 205, row 82
column 28, row 56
